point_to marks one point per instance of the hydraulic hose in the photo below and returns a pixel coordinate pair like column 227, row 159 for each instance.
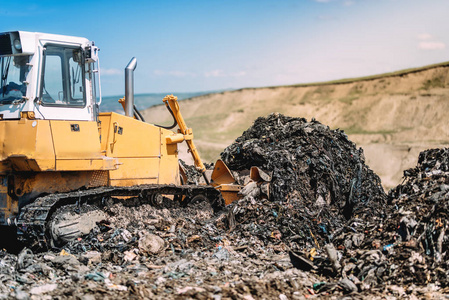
column 174, row 120
column 137, row 114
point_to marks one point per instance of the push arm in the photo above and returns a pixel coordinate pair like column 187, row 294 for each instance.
column 172, row 103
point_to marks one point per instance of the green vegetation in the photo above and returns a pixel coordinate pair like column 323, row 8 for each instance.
column 348, row 99
column 358, row 130
column 436, row 82
column 353, row 94
column 321, row 93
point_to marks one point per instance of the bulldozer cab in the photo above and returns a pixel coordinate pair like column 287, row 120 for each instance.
column 48, row 77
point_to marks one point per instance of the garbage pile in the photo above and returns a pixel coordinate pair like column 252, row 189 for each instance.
column 324, row 226
column 419, row 217
column 154, row 253
column 307, row 160
column 317, row 173
column 319, row 178
column 406, row 252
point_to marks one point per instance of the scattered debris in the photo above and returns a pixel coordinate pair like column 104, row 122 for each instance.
column 316, row 222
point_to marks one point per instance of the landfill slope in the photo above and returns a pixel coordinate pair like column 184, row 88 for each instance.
column 393, row 117
column 314, row 223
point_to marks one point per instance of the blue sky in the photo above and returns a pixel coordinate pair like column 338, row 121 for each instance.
column 188, row 46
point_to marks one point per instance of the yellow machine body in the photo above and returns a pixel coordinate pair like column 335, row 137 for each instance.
column 53, row 138
column 48, row 156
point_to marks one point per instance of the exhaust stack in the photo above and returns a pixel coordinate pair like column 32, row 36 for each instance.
column 129, row 87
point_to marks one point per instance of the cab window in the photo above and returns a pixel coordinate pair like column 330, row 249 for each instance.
column 62, row 81
column 13, row 73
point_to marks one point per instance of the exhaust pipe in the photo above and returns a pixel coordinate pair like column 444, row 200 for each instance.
column 129, row 87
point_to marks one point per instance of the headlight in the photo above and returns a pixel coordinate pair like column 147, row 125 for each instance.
column 17, row 44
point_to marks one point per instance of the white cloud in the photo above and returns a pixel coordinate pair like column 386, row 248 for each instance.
column 174, row 73
column 238, row 74
column 348, row 3
column 429, row 42
column 424, row 36
column 214, row 73
column 207, row 74
column 111, row 72
column 432, row 45
column 221, row 73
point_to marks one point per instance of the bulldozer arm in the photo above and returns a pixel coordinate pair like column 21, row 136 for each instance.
column 221, row 178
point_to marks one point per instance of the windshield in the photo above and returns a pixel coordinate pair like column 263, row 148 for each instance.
column 13, row 75
column 62, row 80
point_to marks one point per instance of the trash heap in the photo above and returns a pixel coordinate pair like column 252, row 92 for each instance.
column 150, row 252
column 324, row 226
column 328, row 210
column 307, row 160
column 319, row 179
column 419, row 219
column 405, row 253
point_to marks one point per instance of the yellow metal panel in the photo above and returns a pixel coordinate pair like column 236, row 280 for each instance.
column 104, row 123
column 25, row 145
column 85, row 164
column 128, row 137
column 144, row 157
column 134, row 171
column 169, row 165
column 33, row 150
column 71, row 144
column 77, row 146
column 45, row 153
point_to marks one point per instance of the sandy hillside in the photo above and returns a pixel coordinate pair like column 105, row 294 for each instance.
column 391, row 116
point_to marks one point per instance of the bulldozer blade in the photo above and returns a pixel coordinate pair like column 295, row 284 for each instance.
column 221, row 174
column 258, row 175
column 223, row 180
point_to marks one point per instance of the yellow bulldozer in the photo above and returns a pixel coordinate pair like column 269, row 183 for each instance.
column 61, row 157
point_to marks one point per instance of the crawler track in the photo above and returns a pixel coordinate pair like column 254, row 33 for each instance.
column 32, row 223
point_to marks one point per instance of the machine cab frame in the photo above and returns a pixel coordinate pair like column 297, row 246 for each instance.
column 50, row 76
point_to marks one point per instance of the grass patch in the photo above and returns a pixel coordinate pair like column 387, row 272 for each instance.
column 353, row 94
column 306, row 98
column 319, row 94
column 436, row 82
column 358, row 130
column 348, row 99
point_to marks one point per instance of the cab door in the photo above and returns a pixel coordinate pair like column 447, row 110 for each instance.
column 63, row 94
